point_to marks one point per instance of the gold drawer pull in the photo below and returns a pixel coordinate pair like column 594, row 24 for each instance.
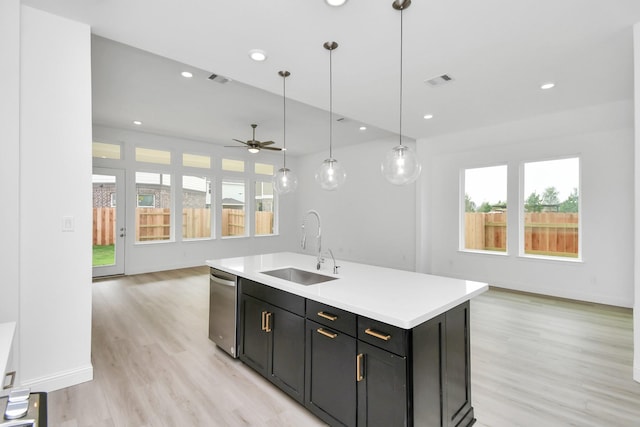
column 263, row 320
column 267, row 318
column 359, row 360
column 327, row 316
column 376, row 334
column 327, row 334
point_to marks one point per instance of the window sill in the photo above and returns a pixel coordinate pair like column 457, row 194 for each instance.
column 480, row 252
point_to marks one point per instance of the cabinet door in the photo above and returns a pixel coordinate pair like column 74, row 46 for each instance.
column 457, row 367
column 253, row 339
column 382, row 388
column 286, row 352
column 331, row 375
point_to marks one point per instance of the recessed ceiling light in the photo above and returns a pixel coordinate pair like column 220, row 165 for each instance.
column 257, row 55
column 428, row 116
column 363, row 128
column 137, row 122
column 335, row 2
column 546, row 86
column 186, row 74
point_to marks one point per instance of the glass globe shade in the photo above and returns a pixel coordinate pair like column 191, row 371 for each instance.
column 401, row 166
column 285, row 181
column 330, row 175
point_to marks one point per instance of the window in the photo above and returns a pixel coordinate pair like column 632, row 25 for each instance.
column 485, row 209
column 103, row 150
column 196, row 207
column 551, row 208
column 264, row 205
column 149, row 155
column 146, row 200
column 263, row 169
column 153, row 212
column 233, row 218
column 196, row 161
column 232, row 165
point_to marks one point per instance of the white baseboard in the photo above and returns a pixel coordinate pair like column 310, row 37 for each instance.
column 60, row 380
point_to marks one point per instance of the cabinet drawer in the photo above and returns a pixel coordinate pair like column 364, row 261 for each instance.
column 383, row 335
column 282, row 299
column 332, row 317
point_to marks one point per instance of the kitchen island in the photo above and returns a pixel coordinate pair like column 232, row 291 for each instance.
column 373, row 346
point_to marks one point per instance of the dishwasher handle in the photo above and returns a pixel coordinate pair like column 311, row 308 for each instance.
column 220, row 281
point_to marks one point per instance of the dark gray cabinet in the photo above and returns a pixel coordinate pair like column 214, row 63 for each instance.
column 350, row 370
column 331, row 375
column 272, row 336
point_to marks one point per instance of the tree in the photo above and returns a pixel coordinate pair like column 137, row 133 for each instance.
column 533, row 203
column 484, row 207
column 571, row 204
column 550, row 196
column 469, row 205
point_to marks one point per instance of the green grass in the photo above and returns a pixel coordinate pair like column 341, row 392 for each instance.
column 103, row 255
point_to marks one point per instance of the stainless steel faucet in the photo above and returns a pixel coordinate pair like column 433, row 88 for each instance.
column 335, row 267
column 303, row 243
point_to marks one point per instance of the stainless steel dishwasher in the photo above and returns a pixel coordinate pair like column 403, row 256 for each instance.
column 223, row 294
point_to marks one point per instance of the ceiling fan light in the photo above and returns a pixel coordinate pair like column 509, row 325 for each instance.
column 285, row 181
column 335, row 3
column 331, row 175
column 253, row 150
column 401, row 166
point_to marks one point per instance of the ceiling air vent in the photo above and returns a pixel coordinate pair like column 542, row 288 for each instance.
column 218, row 78
column 439, row 80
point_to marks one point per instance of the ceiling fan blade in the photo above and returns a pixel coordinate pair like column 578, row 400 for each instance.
column 272, row 148
column 241, row 142
column 266, row 143
column 235, row 146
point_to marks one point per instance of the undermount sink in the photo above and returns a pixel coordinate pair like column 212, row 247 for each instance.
column 301, row 277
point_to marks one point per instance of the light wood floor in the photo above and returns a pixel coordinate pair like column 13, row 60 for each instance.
column 536, row 362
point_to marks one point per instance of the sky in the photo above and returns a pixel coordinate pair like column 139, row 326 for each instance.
column 489, row 184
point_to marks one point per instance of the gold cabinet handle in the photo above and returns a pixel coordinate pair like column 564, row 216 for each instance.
column 264, row 322
column 376, row 334
column 267, row 322
column 359, row 360
column 327, row 316
column 326, row 333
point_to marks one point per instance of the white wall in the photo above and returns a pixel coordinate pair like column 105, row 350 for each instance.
column 10, row 165
column 141, row 258
column 55, row 181
column 636, row 311
column 603, row 138
column 368, row 220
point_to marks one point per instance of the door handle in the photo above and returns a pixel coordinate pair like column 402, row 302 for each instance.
column 327, row 316
column 379, row 335
column 123, row 232
column 326, row 333
column 267, row 319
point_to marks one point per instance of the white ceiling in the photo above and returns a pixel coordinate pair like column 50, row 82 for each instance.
column 498, row 52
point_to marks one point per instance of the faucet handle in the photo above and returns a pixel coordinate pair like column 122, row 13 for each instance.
column 335, row 269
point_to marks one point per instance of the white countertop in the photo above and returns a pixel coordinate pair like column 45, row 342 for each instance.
column 6, row 339
column 400, row 298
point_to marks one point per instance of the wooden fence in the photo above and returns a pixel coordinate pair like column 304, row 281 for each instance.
column 545, row 233
column 154, row 224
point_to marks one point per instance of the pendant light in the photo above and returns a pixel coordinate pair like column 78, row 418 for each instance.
column 284, row 181
column 331, row 174
column 401, row 166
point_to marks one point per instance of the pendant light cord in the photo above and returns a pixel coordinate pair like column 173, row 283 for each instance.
column 401, row 10
column 330, row 103
column 284, row 120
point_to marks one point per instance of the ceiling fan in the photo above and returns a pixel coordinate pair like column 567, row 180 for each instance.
column 253, row 145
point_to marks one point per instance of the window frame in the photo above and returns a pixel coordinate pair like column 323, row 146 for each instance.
column 522, row 213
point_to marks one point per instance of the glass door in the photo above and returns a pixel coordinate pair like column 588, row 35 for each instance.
column 109, row 230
